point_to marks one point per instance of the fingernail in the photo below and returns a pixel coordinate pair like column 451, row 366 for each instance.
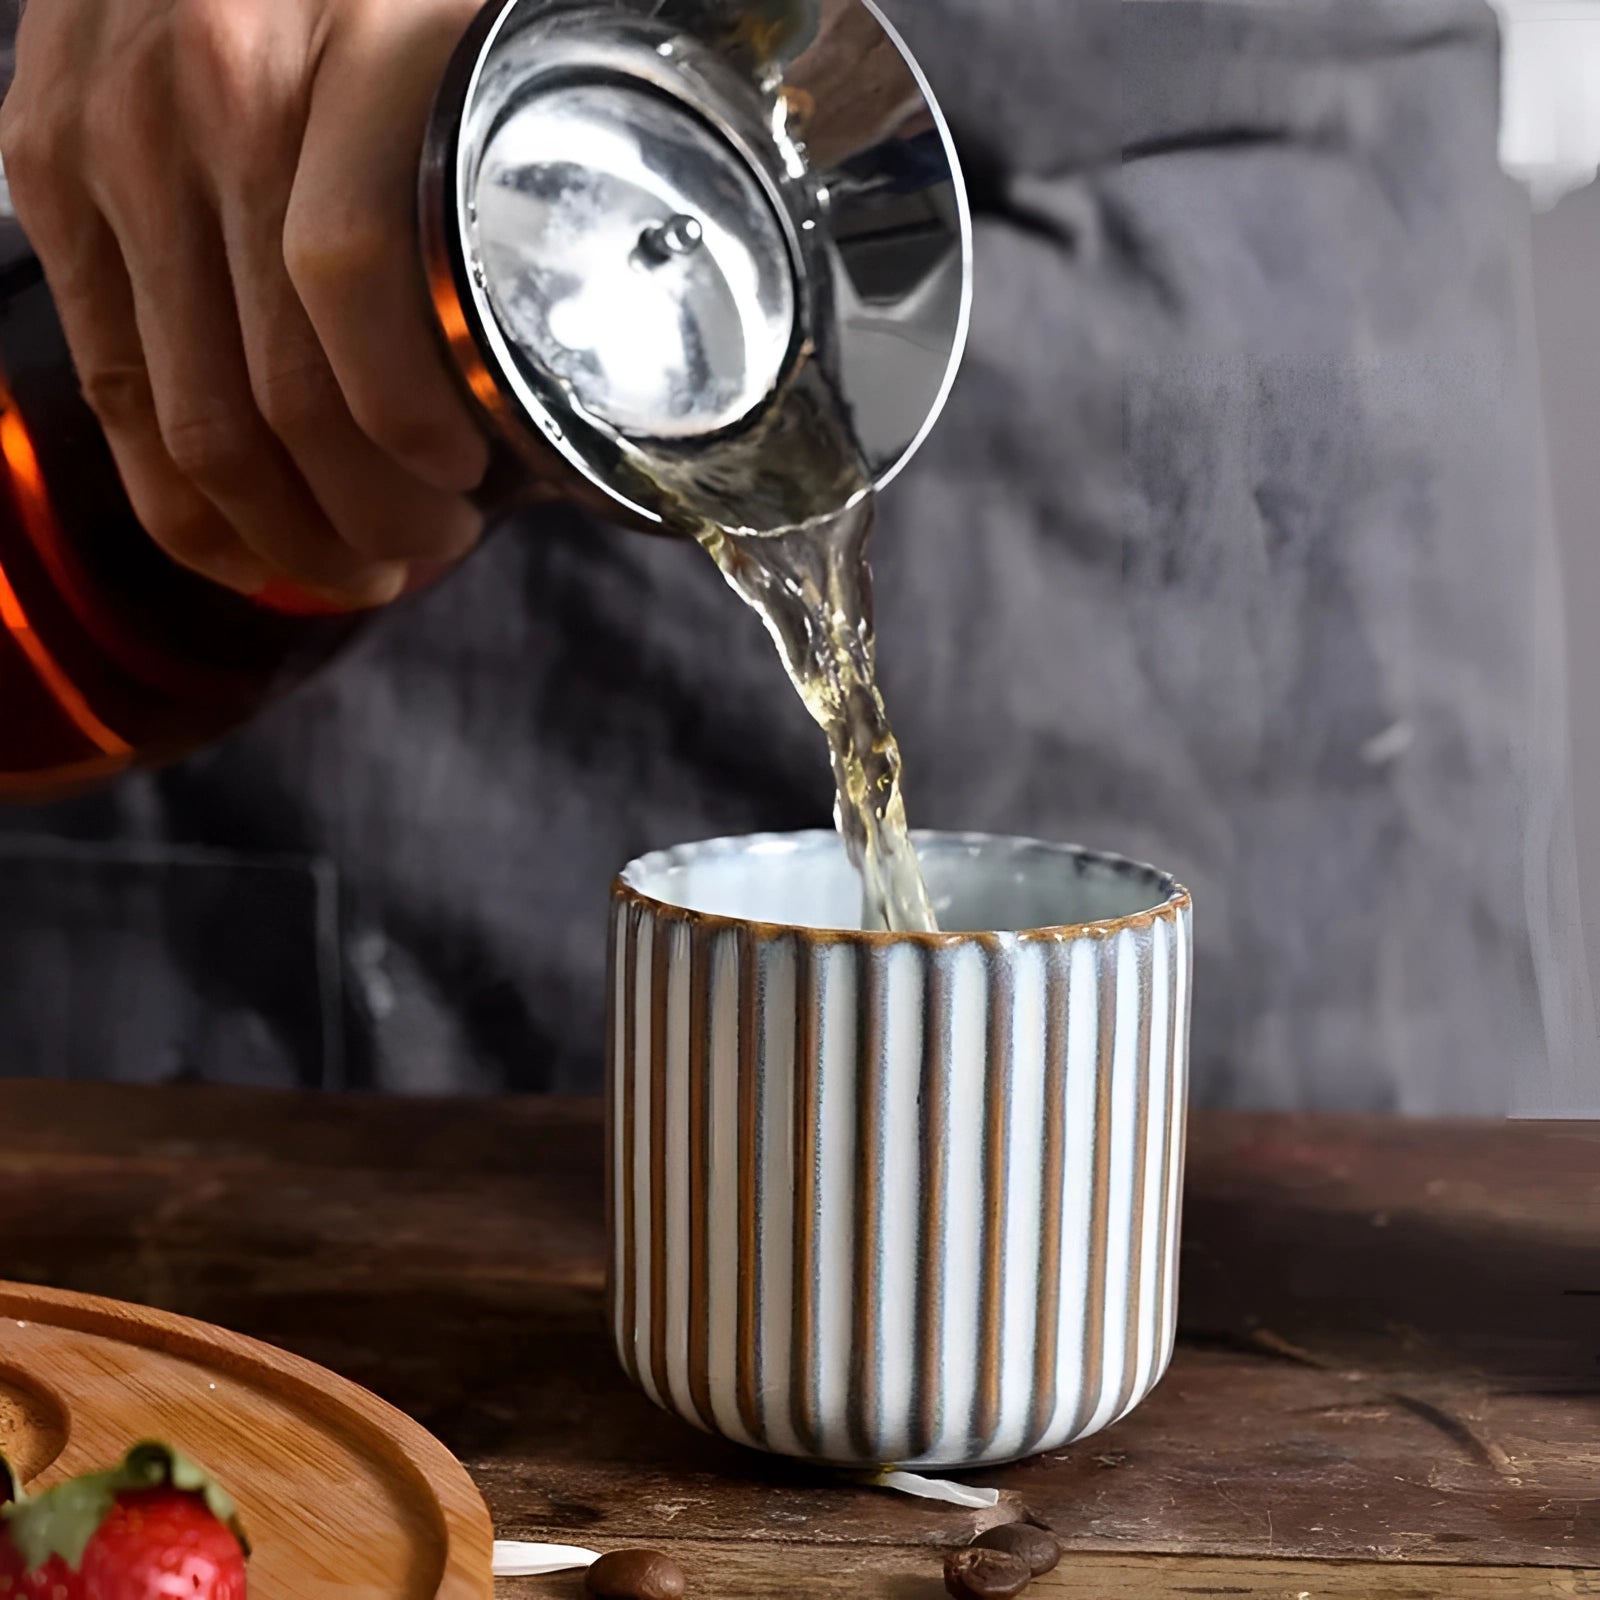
column 374, row 590
column 378, row 587
column 239, row 572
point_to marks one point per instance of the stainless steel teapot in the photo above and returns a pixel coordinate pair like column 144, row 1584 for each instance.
column 709, row 259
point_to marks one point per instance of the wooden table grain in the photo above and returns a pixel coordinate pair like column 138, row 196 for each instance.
column 1387, row 1381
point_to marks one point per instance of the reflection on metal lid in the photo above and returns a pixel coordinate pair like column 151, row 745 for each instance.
column 632, row 255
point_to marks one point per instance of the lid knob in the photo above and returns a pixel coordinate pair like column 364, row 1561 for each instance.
column 677, row 236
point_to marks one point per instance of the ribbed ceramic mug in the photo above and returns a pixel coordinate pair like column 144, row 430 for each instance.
column 896, row 1200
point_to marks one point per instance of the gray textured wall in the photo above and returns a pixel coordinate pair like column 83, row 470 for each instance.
column 1566, row 249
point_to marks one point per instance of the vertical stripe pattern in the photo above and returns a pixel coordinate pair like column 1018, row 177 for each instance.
column 896, row 1202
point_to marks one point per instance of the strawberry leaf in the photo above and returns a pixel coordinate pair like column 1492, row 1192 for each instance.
column 60, row 1522
column 153, row 1466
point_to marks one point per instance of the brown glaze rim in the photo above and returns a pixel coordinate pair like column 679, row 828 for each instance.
column 1176, row 903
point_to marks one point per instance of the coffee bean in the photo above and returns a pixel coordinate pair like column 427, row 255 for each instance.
column 974, row 1574
column 635, row 1575
column 1033, row 1545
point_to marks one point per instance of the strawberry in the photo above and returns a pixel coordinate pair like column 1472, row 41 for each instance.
column 154, row 1528
column 163, row 1542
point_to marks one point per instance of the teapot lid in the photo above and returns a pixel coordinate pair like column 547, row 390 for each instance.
column 630, row 254
column 650, row 224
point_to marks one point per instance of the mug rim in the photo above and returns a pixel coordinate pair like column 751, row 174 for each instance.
column 1176, row 900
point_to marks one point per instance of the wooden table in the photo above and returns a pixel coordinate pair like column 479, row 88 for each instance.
column 1388, row 1383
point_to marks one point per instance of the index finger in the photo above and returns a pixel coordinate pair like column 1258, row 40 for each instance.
column 350, row 237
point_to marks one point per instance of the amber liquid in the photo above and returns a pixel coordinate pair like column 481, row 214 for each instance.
column 810, row 582
column 812, row 587
column 110, row 653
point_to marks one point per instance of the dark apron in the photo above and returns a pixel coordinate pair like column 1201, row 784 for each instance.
column 1227, row 556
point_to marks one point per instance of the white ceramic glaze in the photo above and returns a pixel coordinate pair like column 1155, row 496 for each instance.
column 882, row 1199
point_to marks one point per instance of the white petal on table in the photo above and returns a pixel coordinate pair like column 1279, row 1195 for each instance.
column 956, row 1494
column 515, row 1560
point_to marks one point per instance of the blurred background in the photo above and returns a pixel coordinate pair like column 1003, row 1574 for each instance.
column 1550, row 139
column 1261, row 540
column 1566, row 246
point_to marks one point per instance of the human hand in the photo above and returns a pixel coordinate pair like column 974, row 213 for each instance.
column 851, row 88
column 222, row 194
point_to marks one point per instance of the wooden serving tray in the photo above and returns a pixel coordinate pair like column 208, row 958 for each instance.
column 344, row 1498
